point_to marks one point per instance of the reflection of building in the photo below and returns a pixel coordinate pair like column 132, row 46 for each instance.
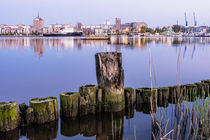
column 38, row 46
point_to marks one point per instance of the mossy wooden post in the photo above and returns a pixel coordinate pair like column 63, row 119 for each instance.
column 69, row 104
column 110, row 77
column 45, row 109
column 99, row 100
column 206, row 87
column 87, row 103
column 129, row 102
column 173, row 94
column 9, row 117
column 163, row 97
column 143, row 99
column 129, row 96
column 26, row 115
column 139, row 99
column 190, row 92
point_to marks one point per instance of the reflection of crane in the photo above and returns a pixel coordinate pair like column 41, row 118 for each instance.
column 186, row 24
column 185, row 49
column 194, row 47
column 195, row 23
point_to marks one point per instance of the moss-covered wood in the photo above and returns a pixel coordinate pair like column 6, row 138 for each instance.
column 88, row 102
column 99, row 100
column 129, row 96
column 189, row 92
column 110, row 77
column 69, row 104
column 163, row 97
column 9, row 117
column 45, row 109
column 26, row 115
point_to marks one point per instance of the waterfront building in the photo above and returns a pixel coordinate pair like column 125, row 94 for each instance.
column 60, row 28
column 38, row 24
column 118, row 23
column 136, row 26
column 79, row 26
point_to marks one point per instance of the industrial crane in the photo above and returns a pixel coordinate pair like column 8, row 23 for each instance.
column 186, row 24
column 195, row 23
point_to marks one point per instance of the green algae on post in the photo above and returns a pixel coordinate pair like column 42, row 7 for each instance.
column 69, row 104
column 45, row 109
column 88, row 100
column 9, row 117
column 163, row 97
column 129, row 96
column 110, row 78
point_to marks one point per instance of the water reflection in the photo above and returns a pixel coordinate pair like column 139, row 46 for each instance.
column 103, row 126
column 39, row 44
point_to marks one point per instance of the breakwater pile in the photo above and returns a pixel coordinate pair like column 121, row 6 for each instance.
column 109, row 96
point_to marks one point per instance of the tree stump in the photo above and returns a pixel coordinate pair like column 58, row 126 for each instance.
column 45, row 109
column 69, row 104
column 9, row 117
column 110, row 77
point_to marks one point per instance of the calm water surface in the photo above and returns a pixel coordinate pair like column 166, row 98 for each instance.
column 41, row 67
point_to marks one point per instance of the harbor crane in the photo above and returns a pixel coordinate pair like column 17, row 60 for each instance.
column 186, row 24
column 195, row 23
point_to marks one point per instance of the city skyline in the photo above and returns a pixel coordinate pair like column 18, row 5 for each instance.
column 163, row 13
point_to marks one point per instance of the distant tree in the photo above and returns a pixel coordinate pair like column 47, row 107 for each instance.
column 143, row 29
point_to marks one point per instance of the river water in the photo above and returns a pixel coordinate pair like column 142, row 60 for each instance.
column 40, row 67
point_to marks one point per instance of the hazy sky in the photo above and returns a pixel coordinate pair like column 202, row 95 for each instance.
column 154, row 12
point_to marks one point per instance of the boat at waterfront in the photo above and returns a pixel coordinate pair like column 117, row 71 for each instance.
column 63, row 34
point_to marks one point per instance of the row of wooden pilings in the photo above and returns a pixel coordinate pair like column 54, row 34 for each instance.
column 89, row 101
column 108, row 96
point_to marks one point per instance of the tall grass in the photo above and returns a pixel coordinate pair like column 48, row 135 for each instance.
column 189, row 121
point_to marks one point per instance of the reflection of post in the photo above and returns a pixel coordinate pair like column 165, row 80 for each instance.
column 110, row 126
column 110, row 77
column 70, row 127
column 45, row 131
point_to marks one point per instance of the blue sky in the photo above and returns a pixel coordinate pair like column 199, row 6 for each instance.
column 154, row 12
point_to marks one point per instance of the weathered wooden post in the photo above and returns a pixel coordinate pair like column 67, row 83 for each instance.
column 129, row 102
column 87, row 103
column 163, row 97
column 9, row 117
column 45, row 109
column 110, row 77
column 26, row 115
column 69, row 104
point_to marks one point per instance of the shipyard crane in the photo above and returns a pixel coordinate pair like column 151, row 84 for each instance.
column 186, row 24
column 195, row 23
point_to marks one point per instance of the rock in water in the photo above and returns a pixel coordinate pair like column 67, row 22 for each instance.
column 45, row 109
column 9, row 117
column 110, row 77
column 69, row 103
